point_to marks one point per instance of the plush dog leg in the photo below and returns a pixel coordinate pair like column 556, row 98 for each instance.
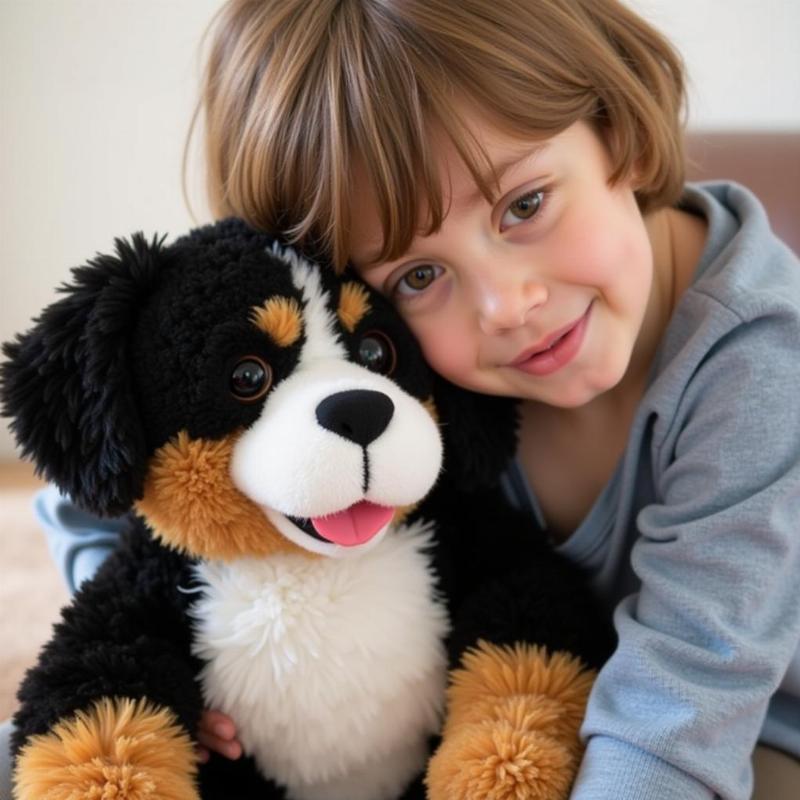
column 512, row 726
column 120, row 749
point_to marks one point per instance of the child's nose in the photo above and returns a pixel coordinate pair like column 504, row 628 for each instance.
column 505, row 304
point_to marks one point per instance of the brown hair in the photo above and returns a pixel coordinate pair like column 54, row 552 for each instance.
column 296, row 92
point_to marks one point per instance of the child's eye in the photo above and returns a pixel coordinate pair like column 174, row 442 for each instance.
column 522, row 209
column 418, row 279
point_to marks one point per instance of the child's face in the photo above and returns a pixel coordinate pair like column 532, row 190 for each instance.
column 539, row 295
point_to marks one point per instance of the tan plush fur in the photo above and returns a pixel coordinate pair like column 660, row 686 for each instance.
column 119, row 749
column 281, row 319
column 512, row 726
column 353, row 305
column 191, row 503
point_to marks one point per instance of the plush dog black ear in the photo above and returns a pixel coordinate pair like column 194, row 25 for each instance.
column 479, row 432
column 66, row 382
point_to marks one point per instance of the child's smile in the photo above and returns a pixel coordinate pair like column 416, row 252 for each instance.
column 556, row 350
column 540, row 294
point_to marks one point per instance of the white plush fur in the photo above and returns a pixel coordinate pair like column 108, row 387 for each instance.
column 334, row 669
column 318, row 321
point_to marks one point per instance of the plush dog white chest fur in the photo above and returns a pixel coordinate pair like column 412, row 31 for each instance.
column 333, row 669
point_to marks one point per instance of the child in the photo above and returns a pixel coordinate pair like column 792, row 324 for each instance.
column 511, row 175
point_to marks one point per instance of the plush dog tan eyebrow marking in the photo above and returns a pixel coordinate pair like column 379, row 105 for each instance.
column 353, row 305
column 280, row 318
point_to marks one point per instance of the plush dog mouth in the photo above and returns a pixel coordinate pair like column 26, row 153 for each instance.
column 350, row 527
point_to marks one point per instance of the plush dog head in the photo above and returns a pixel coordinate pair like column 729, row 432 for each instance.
column 243, row 399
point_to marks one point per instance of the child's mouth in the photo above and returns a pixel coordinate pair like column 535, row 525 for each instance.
column 562, row 347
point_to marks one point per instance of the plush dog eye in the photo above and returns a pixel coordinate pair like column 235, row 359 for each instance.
column 250, row 379
column 376, row 352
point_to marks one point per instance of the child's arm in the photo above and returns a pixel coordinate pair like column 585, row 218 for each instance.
column 705, row 643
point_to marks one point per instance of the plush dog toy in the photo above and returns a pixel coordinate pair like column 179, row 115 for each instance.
column 276, row 434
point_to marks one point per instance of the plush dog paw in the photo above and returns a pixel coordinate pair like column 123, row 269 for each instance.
column 512, row 726
column 496, row 761
column 119, row 749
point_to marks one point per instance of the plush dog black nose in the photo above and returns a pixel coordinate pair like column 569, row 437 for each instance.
column 358, row 415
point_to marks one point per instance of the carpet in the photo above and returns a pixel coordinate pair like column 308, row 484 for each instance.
column 31, row 589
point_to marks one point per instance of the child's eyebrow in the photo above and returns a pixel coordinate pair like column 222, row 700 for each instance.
column 500, row 168
column 370, row 262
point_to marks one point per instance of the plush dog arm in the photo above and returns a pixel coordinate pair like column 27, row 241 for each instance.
column 108, row 710
column 512, row 725
column 514, row 709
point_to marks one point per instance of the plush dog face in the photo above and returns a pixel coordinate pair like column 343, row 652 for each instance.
column 243, row 399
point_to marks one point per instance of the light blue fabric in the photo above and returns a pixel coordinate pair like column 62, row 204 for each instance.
column 5, row 760
column 79, row 542
column 695, row 541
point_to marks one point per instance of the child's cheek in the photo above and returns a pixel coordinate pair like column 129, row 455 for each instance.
column 445, row 347
column 443, row 352
column 597, row 249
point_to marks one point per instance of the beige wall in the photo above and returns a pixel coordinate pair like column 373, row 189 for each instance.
column 96, row 96
column 95, row 101
column 743, row 59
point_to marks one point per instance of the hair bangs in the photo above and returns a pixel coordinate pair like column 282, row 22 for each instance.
column 305, row 103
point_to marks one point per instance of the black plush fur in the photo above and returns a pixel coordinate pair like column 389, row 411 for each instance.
column 133, row 353
column 124, row 634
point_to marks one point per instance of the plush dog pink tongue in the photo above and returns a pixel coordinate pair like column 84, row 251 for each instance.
column 354, row 525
